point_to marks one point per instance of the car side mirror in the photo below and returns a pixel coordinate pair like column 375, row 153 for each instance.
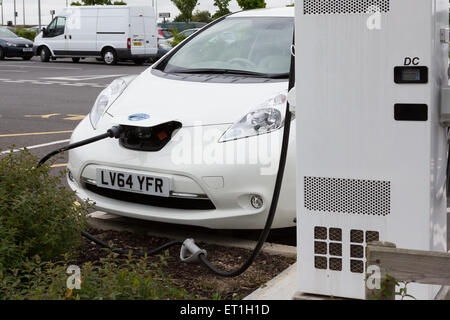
column 44, row 31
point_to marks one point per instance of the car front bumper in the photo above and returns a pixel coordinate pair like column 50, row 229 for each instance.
column 17, row 52
column 227, row 185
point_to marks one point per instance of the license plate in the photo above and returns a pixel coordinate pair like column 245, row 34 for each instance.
column 138, row 44
column 27, row 49
column 132, row 182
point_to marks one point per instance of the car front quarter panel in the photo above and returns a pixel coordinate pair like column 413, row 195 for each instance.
column 231, row 197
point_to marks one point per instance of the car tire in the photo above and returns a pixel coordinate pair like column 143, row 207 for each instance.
column 76, row 60
column 2, row 54
column 45, row 54
column 27, row 58
column 110, row 56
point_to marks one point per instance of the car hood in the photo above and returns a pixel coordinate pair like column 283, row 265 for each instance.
column 191, row 102
column 18, row 40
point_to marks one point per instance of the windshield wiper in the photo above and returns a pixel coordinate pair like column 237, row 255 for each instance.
column 235, row 72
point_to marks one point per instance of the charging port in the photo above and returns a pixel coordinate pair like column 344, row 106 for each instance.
column 148, row 138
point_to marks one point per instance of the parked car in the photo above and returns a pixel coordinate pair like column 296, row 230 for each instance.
column 164, row 33
column 204, row 130
column 12, row 46
column 112, row 33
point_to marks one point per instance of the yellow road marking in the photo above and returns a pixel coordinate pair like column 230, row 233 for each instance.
column 44, row 116
column 59, row 165
column 75, row 117
column 33, row 133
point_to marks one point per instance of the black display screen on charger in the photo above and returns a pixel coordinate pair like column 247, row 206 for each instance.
column 411, row 74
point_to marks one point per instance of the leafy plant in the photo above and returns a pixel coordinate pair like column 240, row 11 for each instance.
column 110, row 279
column 27, row 34
column 387, row 289
column 177, row 37
column 403, row 292
column 37, row 214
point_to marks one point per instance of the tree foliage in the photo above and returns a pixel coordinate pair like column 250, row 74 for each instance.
column 186, row 8
column 222, row 8
column 251, row 4
column 201, row 16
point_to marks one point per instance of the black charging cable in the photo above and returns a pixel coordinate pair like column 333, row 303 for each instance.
column 113, row 132
column 126, row 252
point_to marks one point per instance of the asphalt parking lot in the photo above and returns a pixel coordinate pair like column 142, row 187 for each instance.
column 41, row 103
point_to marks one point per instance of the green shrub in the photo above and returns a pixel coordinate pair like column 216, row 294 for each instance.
column 177, row 37
column 27, row 34
column 111, row 278
column 38, row 215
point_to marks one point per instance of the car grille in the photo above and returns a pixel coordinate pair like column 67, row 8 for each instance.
column 163, row 202
column 148, row 138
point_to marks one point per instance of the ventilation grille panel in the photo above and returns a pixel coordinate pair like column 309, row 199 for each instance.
column 329, row 248
column 366, row 197
column 344, row 6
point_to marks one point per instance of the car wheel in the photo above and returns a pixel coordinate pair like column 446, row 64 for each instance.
column 27, row 58
column 110, row 57
column 2, row 54
column 76, row 60
column 45, row 54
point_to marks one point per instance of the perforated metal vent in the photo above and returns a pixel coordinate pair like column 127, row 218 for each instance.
column 344, row 6
column 329, row 248
column 367, row 197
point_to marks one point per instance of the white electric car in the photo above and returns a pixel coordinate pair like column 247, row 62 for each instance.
column 203, row 130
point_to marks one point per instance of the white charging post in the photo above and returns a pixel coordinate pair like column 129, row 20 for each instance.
column 371, row 148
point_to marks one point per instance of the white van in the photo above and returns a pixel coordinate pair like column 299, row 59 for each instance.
column 112, row 33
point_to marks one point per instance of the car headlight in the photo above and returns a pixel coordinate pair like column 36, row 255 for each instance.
column 107, row 97
column 267, row 117
column 10, row 44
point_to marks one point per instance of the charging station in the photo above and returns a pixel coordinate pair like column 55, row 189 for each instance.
column 372, row 151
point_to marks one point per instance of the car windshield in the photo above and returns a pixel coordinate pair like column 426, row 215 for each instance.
column 6, row 33
column 244, row 45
